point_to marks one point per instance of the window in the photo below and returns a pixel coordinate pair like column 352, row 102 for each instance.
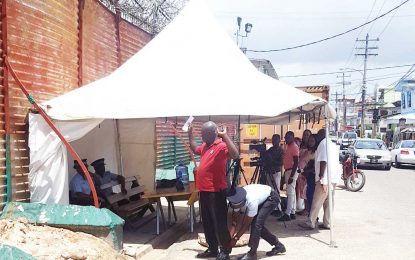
column 370, row 144
column 408, row 144
column 409, row 98
column 403, row 100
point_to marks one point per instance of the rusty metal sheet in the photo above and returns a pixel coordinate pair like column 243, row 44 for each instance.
column 132, row 39
column 2, row 121
column 99, row 44
column 42, row 40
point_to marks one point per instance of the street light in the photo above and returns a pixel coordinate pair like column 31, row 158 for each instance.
column 248, row 29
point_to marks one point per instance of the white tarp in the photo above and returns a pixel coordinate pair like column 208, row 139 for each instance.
column 191, row 68
column 48, row 176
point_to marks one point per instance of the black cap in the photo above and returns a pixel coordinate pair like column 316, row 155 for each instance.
column 236, row 197
column 75, row 163
column 98, row 162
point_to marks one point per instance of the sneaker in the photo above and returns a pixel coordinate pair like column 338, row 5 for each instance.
column 278, row 249
column 222, row 256
column 292, row 216
column 306, row 226
column 207, row 254
column 285, row 217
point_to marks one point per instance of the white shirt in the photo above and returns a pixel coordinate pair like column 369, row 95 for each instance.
column 256, row 194
column 333, row 166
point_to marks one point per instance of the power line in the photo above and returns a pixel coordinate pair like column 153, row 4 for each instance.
column 406, row 75
column 354, row 46
column 334, row 36
column 380, row 10
column 346, row 71
column 387, row 25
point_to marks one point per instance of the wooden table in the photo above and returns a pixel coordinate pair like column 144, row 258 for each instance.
column 170, row 194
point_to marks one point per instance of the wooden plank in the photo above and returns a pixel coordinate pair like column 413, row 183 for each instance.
column 133, row 206
column 120, row 196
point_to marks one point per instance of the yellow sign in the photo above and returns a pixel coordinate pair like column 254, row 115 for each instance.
column 252, row 131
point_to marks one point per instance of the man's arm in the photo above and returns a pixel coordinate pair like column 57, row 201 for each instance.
column 234, row 222
column 121, row 180
column 294, row 170
column 233, row 151
column 245, row 225
column 192, row 141
column 323, row 178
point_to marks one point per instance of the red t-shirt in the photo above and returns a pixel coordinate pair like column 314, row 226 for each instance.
column 291, row 151
column 211, row 173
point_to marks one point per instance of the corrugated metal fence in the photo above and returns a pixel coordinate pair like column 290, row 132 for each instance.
column 55, row 46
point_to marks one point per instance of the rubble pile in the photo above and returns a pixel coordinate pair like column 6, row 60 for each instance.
column 44, row 242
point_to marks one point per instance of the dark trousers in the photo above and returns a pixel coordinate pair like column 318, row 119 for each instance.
column 258, row 229
column 215, row 220
column 310, row 189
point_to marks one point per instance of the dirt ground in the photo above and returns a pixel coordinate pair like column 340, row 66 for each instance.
column 45, row 242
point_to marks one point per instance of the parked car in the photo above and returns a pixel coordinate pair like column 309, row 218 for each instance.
column 371, row 152
column 347, row 139
column 404, row 152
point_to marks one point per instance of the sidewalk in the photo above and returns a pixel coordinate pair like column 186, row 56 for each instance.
column 140, row 240
column 366, row 227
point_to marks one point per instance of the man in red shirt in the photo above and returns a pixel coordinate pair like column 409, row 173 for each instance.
column 211, row 182
column 291, row 154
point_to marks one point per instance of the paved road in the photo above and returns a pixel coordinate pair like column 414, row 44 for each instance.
column 376, row 223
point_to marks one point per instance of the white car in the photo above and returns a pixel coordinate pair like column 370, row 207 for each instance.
column 372, row 153
column 346, row 139
column 404, row 152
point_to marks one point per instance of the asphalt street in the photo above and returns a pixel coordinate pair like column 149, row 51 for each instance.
column 376, row 223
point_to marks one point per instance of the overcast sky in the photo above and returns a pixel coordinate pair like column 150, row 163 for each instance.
column 279, row 24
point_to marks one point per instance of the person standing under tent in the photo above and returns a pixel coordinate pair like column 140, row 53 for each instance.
column 302, row 163
column 309, row 172
column 212, row 184
column 322, row 167
column 290, row 166
column 275, row 156
column 274, row 159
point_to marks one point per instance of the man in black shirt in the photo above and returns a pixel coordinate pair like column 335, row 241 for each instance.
column 275, row 156
column 274, row 160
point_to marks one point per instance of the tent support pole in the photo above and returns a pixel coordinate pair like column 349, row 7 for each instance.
column 330, row 186
column 51, row 125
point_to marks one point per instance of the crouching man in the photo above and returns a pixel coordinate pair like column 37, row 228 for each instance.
column 252, row 205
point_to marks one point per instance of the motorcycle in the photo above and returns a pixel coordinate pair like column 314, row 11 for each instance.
column 354, row 179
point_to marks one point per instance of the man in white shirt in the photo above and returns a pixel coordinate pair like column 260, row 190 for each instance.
column 324, row 163
column 257, row 201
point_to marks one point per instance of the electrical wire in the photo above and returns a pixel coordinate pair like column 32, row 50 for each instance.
column 360, row 32
column 347, row 71
column 334, row 36
column 406, row 75
column 387, row 25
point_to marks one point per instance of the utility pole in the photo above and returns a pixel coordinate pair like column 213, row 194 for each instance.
column 366, row 54
column 375, row 114
column 336, row 121
column 344, row 83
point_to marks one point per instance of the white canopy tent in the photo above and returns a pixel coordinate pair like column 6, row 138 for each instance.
column 191, row 68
